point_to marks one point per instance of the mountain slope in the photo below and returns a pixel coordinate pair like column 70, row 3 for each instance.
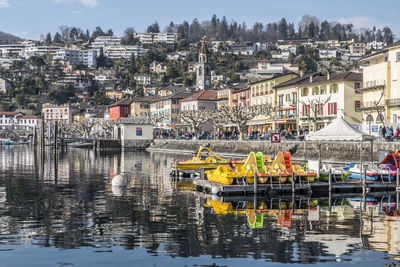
column 7, row 38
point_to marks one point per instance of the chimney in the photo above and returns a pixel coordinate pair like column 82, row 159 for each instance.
column 302, row 73
column 328, row 76
column 311, row 78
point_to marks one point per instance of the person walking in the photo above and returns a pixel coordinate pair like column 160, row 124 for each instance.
column 383, row 132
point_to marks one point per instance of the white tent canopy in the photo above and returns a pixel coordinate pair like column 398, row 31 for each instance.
column 339, row 130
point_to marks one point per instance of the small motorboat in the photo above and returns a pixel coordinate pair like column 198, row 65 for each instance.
column 355, row 173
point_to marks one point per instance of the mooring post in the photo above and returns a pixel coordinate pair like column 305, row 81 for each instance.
column 372, row 151
column 305, row 151
column 365, row 180
column 55, row 136
column 42, row 135
column 202, row 174
column 255, row 182
column 361, row 159
column 319, row 157
column 34, row 137
column 330, row 181
column 397, row 180
column 293, row 185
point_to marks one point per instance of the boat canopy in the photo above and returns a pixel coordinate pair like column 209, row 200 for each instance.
column 339, row 130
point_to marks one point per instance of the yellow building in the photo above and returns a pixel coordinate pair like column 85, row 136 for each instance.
column 263, row 92
column 381, row 85
column 140, row 106
column 78, row 117
column 114, row 94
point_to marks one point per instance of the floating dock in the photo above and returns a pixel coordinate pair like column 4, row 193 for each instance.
column 304, row 188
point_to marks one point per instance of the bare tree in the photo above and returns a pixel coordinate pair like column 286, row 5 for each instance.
column 241, row 115
column 85, row 127
column 316, row 105
column 108, row 125
column 197, row 118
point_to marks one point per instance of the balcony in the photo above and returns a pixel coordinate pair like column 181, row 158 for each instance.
column 393, row 102
column 370, row 105
column 373, row 85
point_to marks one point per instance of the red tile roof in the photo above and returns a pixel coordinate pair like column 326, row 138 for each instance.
column 203, row 95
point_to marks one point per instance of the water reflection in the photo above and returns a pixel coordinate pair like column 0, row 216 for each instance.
column 71, row 204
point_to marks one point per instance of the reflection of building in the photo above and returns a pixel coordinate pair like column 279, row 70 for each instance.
column 383, row 231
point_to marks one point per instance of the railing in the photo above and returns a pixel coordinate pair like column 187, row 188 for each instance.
column 375, row 84
column 393, row 102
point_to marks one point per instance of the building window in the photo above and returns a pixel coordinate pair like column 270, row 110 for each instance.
column 287, row 97
column 280, row 101
column 333, row 88
column 139, row 131
column 315, row 90
column 397, row 56
column 294, row 99
column 304, row 91
column 332, row 108
column 357, row 105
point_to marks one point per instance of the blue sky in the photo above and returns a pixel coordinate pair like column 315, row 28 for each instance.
column 30, row 18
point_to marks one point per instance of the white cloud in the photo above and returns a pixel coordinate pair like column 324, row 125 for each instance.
column 362, row 22
column 4, row 3
column 88, row 3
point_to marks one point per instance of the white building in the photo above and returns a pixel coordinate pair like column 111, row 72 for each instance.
column 40, row 50
column 328, row 53
column 374, row 45
column 142, row 79
column 103, row 41
column 28, row 122
column 8, row 49
column 134, row 133
column 124, row 51
column 157, row 38
column 75, row 56
column 5, row 85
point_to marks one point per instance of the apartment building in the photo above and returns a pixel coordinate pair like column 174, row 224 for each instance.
column 157, row 38
column 40, row 50
column 51, row 112
column 357, row 49
column 103, row 41
column 323, row 97
column 241, row 95
column 16, row 49
column 167, row 109
column 124, row 51
column 287, row 103
column 75, row 56
column 263, row 93
column 204, row 100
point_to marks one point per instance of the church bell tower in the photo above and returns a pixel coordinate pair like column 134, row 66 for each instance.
column 203, row 68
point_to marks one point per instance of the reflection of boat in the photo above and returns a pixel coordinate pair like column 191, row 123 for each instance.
column 280, row 170
column 6, row 142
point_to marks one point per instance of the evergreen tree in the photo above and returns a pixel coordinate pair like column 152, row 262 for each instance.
column 154, row 28
column 48, row 39
column 282, row 29
column 57, row 38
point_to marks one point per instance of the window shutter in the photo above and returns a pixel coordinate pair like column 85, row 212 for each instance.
column 303, row 110
column 329, row 108
column 308, row 111
column 335, row 108
column 322, row 109
column 316, row 110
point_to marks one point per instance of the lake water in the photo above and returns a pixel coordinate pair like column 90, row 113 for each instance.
column 69, row 215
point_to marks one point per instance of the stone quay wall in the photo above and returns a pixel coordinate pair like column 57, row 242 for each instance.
column 333, row 152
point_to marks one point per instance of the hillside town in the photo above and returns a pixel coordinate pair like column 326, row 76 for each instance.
column 206, row 88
